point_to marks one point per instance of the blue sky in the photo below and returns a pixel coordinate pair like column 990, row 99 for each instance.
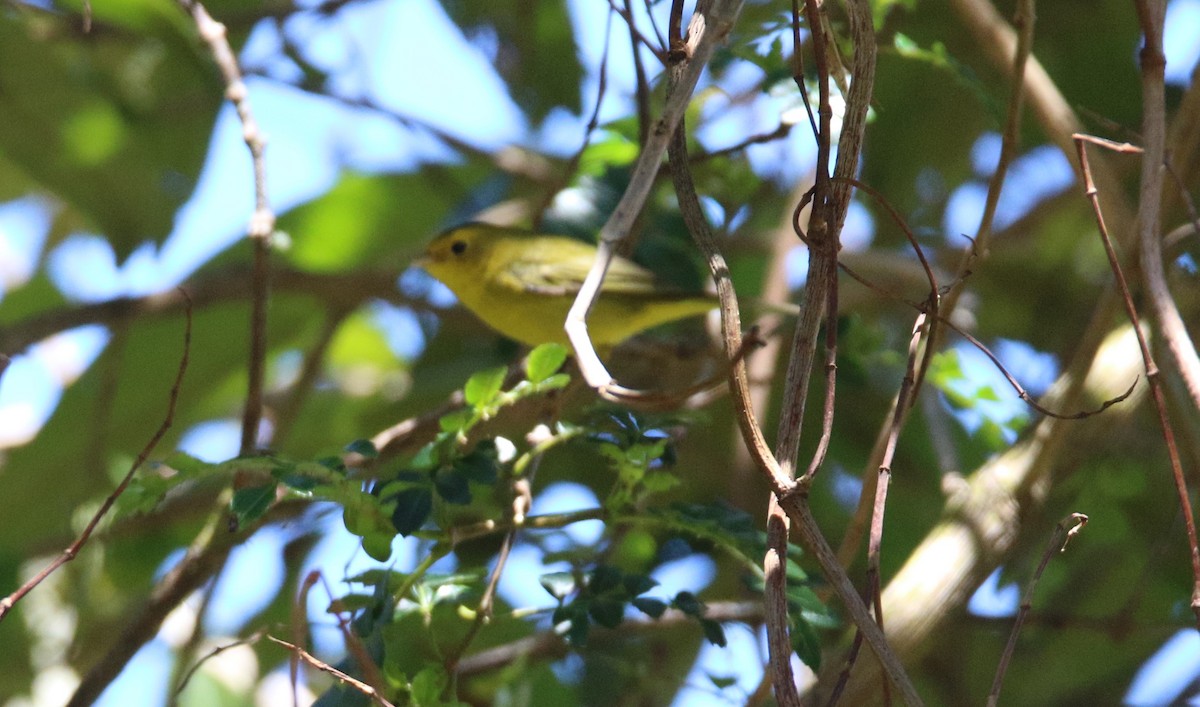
column 363, row 43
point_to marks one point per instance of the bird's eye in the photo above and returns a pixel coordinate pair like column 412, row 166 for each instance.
column 458, row 247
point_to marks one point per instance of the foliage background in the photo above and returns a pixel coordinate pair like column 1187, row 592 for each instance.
column 124, row 174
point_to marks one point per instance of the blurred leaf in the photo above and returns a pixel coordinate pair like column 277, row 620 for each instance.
column 250, row 503
column 544, row 361
column 806, row 643
column 481, row 388
column 713, row 632
column 363, row 447
column 534, row 49
column 654, row 608
column 412, row 509
column 131, row 112
column 558, row 584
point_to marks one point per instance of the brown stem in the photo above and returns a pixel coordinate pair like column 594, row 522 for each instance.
column 1059, row 542
column 71, row 552
column 1152, row 372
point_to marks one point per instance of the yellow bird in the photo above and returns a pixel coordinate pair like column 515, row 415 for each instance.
column 522, row 284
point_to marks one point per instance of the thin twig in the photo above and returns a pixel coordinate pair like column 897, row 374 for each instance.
column 262, row 222
column 1020, row 390
column 1152, row 373
column 642, row 87
column 71, row 552
column 321, row 665
column 568, row 172
column 247, row 641
column 1058, row 541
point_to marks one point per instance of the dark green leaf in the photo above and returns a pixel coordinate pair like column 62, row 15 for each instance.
column 713, row 632
column 806, row 643
column 803, row 597
column 653, row 608
column 452, row 485
column 333, row 464
column 606, row 611
column 299, row 482
column 249, row 504
column 363, row 447
column 636, row 584
column 688, row 603
column 604, row 578
column 481, row 465
column 412, row 508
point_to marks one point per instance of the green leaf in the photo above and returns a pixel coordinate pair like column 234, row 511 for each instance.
column 544, row 361
column 249, row 504
column 987, row 393
column 298, row 481
column 452, row 485
column 713, row 632
column 413, row 507
column 803, row 597
column 606, row 611
column 378, row 546
column 558, row 584
column 636, row 584
column 185, row 463
column 363, row 447
column 689, row 604
column 427, row 686
column 604, row 578
column 457, row 421
column 482, row 387
column 481, row 465
column 653, row 608
column 806, row 643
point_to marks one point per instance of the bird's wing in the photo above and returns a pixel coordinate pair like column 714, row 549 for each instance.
column 561, row 269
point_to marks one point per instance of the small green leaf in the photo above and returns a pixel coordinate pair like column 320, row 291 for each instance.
column 412, row 508
column 186, row 464
column 604, row 578
column 457, row 421
column 452, row 485
column 544, row 361
column 333, row 464
column 249, row 504
column 378, row 546
column 689, row 604
column 806, row 643
column 722, row 682
column 363, row 447
column 558, row 584
column 483, row 386
column 554, row 382
column 653, row 608
column 606, row 611
column 426, row 687
column 803, row 597
column 713, row 632
column 636, row 584
column 298, row 482
column 481, row 465
column 987, row 392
